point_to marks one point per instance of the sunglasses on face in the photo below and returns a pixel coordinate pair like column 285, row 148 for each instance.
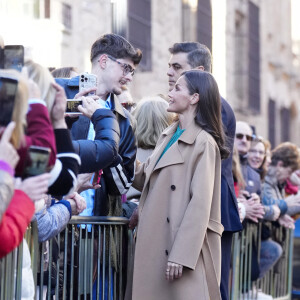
column 240, row 136
column 126, row 68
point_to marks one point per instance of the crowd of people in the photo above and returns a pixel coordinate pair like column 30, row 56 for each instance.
column 179, row 166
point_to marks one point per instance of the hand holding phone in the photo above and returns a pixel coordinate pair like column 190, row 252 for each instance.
column 12, row 57
column 37, row 161
column 89, row 106
column 8, row 90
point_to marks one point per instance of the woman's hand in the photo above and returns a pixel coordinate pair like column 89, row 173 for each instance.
column 35, row 187
column 254, row 210
column 59, row 107
column 84, row 182
column 134, row 219
column 78, row 203
column 7, row 152
column 287, row 221
column 276, row 212
column 173, row 271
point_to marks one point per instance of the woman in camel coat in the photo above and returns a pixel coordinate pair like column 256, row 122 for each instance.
column 178, row 246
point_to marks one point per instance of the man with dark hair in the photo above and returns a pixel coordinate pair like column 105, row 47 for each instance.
column 192, row 55
column 113, row 60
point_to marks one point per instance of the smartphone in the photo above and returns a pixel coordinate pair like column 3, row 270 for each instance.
column 8, row 90
column 36, row 161
column 72, row 106
column 13, row 57
column 87, row 81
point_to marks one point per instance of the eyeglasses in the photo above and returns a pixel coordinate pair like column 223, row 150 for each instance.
column 240, row 136
column 126, row 68
column 259, row 152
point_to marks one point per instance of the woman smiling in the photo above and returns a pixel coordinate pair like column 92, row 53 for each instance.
column 178, row 246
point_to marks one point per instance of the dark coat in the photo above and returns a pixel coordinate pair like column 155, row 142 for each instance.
column 118, row 168
column 229, row 210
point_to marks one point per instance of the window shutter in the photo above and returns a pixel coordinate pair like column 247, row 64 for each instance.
column 254, row 58
column 272, row 122
column 285, row 119
column 204, row 23
column 139, row 29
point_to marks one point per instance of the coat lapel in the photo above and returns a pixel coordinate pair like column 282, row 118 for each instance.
column 173, row 155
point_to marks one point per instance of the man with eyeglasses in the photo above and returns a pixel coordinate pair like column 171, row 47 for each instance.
column 114, row 61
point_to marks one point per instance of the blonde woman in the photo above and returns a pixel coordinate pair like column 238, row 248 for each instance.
column 152, row 118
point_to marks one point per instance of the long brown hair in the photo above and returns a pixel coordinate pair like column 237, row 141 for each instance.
column 208, row 111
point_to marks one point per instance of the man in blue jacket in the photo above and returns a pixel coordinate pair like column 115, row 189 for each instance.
column 192, row 55
column 114, row 61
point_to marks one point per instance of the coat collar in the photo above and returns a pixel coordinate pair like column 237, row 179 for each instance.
column 116, row 105
column 173, row 156
column 188, row 136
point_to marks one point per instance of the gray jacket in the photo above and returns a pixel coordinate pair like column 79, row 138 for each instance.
column 52, row 220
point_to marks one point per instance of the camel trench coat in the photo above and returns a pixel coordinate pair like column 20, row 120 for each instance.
column 179, row 219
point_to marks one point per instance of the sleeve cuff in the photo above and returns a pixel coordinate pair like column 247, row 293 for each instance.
column 7, row 168
column 67, row 205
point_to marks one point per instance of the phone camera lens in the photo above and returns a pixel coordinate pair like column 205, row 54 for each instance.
column 82, row 80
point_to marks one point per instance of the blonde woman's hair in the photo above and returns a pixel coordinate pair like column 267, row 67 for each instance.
column 236, row 169
column 152, row 118
column 43, row 78
column 20, row 106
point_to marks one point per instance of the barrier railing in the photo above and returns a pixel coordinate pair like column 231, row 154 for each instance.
column 246, row 249
column 90, row 259
column 86, row 260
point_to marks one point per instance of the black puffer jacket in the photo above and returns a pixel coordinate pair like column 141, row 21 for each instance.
column 118, row 167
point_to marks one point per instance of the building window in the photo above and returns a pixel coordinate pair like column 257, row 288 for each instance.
column 47, row 9
column 197, row 21
column 204, row 23
column 31, row 8
column 119, row 17
column 240, row 56
column 67, row 15
column 272, row 122
column 189, row 20
column 285, row 119
column 139, row 29
column 253, row 58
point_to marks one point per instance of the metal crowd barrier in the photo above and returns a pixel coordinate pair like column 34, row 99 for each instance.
column 87, row 260
column 276, row 282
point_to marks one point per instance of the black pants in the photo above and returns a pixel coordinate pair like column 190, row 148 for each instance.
column 226, row 242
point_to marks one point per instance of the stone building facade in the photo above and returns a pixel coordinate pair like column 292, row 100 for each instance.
column 253, row 61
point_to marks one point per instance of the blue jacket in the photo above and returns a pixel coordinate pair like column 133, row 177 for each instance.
column 229, row 210
column 118, row 168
